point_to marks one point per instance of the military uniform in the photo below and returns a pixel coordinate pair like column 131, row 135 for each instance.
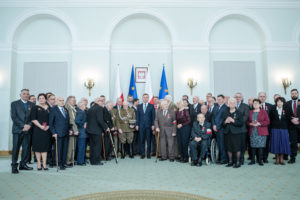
column 123, row 118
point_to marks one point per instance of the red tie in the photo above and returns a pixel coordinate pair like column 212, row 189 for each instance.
column 262, row 106
column 295, row 109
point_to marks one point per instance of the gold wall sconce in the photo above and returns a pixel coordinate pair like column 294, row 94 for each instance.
column 89, row 84
column 191, row 83
column 285, row 83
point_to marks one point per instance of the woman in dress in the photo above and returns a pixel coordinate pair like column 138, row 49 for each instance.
column 41, row 137
column 258, row 122
column 233, row 133
column 183, row 131
column 279, row 142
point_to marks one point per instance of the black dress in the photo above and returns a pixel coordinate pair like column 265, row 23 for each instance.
column 41, row 139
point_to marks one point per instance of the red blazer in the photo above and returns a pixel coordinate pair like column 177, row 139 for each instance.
column 263, row 119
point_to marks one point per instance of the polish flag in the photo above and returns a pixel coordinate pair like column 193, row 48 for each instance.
column 148, row 86
column 118, row 91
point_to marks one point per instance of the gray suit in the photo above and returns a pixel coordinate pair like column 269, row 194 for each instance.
column 167, row 126
column 20, row 117
column 244, row 110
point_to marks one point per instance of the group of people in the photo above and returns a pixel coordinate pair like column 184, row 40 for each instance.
column 59, row 132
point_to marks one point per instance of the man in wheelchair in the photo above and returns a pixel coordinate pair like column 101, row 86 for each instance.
column 201, row 133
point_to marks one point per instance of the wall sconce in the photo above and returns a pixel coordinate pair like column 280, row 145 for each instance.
column 286, row 83
column 89, row 84
column 191, row 83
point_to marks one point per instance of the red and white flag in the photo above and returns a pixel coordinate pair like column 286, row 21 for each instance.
column 118, row 91
column 148, row 86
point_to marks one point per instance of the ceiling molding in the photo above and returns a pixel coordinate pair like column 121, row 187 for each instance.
column 291, row 4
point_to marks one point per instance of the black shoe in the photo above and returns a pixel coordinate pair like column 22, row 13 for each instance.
column 194, row 163
column 251, row 163
column 292, row 161
column 148, row 157
column 261, row 163
column 81, row 164
column 200, row 162
column 172, row 160
column 230, row 164
column 266, row 161
column 237, row 165
column 162, row 159
column 153, row 154
column 45, row 168
column 222, row 163
column 62, row 168
column 69, row 165
column 14, row 168
column 39, row 169
column 142, row 157
column 25, row 167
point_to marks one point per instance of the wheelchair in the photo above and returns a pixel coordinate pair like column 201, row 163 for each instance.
column 212, row 154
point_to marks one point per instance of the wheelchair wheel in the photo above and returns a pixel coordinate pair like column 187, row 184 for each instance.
column 214, row 151
column 207, row 160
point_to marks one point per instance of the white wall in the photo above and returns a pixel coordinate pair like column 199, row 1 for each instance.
column 186, row 36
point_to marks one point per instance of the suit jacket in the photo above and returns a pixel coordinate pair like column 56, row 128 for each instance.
column 276, row 122
column 200, row 131
column 218, row 116
column 108, row 118
column 268, row 107
column 145, row 120
column 20, row 116
column 166, row 124
column 95, row 121
column 244, row 110
column 80, row 120
column 263, row 119
column 288, row 106
column 236, row 127
column 194, row 112
column 59, row 124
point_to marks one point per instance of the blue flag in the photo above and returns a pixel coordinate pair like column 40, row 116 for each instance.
column 163, row 91
column 132, row 88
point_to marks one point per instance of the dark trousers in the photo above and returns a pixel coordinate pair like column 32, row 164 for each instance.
column 183, row 138
column 62, row 150
column 267, row 148
column 95, row 148
column 20, row 139
column 107, row 145
column 220, row 143
column 203, row 144
column 81, row 149
column 294, row 137
column 244, row 146
column 145, row 134
column 51, row 153
column 153, row 142
column 136, row 148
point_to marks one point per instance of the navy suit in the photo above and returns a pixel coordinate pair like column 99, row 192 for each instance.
column 145, row 120
column 217, row 120
column 59, row 124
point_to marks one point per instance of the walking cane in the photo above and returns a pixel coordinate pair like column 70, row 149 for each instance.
column 113, row 145
column 157, row 144
column 56, row 152
column 103, row 147
column 73, row 152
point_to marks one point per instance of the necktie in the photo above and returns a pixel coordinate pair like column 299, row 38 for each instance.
column 237, row 105
column 295, row 109
column 25, row 106
column 63, row 112
column 263, row 107
column 209, row 110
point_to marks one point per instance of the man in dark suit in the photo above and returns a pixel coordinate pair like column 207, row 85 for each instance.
column 20, row 115
column 293, row 111
column 195, row 109
column 95, row 127
column 208, row 115
column 108, row 120
column 136, row 148
column 244, row 110
column 145, row 125
column 262, row 96
column 51, row 100
column 60, row 128
column 217, row 122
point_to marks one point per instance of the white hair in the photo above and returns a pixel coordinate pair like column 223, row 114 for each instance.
column 168, row 97
column 231, row 100
column 80, row 103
